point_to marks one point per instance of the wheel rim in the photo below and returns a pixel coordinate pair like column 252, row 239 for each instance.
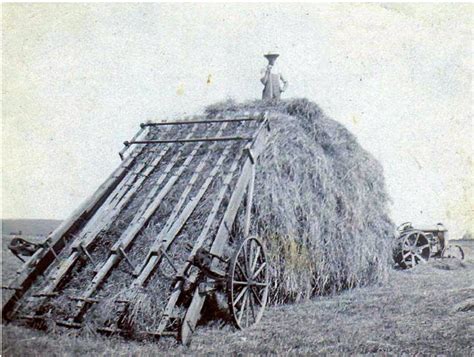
column 248, row 283
column 453, row 251
column 415, row 249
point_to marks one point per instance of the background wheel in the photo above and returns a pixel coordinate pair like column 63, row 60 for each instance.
column 415, row 249
column 247, row 283
column 453, row 251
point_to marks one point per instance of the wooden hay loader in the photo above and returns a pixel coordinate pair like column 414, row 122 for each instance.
column 168, row 181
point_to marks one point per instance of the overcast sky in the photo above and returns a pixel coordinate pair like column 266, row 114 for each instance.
column 79, row 78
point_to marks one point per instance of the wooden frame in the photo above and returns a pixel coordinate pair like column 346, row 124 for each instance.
column 97, row 214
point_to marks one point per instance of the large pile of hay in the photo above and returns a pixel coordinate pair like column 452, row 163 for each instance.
column 320, row 207
column 320, row 203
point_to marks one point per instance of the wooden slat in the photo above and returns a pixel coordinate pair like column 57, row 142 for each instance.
column 177, row 290
column 164, row 241
column 142, row 216
column 173, row 225
column 248, row 208
column 114, row 213
column 89, row 234
column 138, row 172
column 57, row 239
column 194, row 310
column 106, row 220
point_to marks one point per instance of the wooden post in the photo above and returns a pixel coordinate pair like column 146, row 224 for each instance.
column 248, row 208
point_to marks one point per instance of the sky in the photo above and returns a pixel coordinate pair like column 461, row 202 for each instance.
column 78, row 79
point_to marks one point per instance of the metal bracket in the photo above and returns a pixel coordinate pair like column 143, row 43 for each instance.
column 127, row 259
column 251, row 155
column 138, row 269
column 168, row 258
column 83, row 250
column 203, row 260
column 207, row 287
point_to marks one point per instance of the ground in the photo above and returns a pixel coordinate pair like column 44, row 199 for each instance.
column 428, row 310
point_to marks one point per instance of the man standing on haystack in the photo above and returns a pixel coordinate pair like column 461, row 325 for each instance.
column 272, row 79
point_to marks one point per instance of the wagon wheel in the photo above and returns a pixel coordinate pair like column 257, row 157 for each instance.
column 453, row 251
column 247, row 283
column 415, row 249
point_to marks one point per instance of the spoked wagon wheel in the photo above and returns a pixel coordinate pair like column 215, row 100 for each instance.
column 453, row 251
column 247, row 283
column 415, row 249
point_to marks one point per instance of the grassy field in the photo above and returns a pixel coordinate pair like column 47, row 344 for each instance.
column 428, row 310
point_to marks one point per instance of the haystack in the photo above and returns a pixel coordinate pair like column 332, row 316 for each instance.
column 320, row 208
column 320, row 203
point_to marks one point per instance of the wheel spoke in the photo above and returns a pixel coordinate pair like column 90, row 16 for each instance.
column 241, row 270
column 245, row 258
column 257, row 297
column 424, row 246
column 259, row 270
column 255, row 260
column 247, row 309
column 417, row 238
column 241, row 294
column 252, row 303
column 237, row 282
column 242, row 308
column 420, row 257
column 248, row 257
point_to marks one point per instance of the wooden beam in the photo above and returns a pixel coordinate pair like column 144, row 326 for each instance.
column 58, row 238
column 146, row 210
column 174, row 213
column 177, row 290
column 248, row 208
column 99, row 222
column 194, row 310
column 166, row 238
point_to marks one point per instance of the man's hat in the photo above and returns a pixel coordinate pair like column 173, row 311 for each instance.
column 271, row 56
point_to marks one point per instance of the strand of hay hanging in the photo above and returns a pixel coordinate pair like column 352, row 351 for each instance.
column 320, row 204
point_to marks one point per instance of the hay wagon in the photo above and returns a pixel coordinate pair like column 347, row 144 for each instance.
column 188, row 180
column 418, row 245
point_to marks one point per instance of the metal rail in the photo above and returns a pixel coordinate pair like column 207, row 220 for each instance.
column 206, row 121
column 190, row 140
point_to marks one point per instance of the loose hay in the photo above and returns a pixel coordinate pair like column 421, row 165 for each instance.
column 320, row 203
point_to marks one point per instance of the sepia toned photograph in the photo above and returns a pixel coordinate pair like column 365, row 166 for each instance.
column 237, row 179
